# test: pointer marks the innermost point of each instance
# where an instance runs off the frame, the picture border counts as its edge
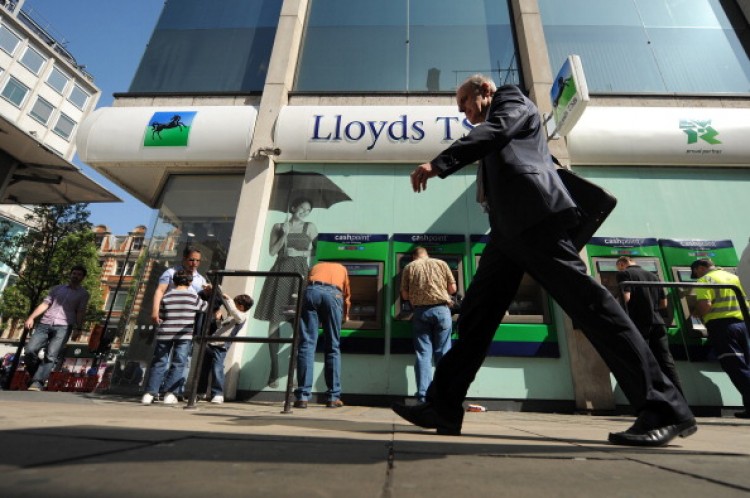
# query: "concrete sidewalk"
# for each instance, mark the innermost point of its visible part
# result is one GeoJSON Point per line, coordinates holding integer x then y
{"type": "Point", "coordinates": [78, 445]}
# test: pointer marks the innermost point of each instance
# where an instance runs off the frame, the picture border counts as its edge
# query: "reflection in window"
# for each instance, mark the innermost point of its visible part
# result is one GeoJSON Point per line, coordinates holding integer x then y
{"type": "Point", "coordinates": [405, 45]}
{"type": "Point", "coordinates": [57, 80]}
{"type": "Point", "coordinates": [32, 60]}
{"type": "Point", "coordinates": [64, 126]}
{"type": "Point", "coordinates": [201, 46]}
{"type": "Point", "coordinates": [41, 111]}
{"type": "Point", "coordinates": [15, 91]}
{"type": "Point", "coordinates": [78, 97]}
{"type": "Point", "coordinates": [8, 40]}
{"type": "Point", "coordinates": [652, 46]}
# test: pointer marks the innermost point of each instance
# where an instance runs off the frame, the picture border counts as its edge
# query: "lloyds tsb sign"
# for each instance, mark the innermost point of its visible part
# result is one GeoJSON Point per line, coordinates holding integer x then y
{"type": "Point", "coordinates": [367, 133]}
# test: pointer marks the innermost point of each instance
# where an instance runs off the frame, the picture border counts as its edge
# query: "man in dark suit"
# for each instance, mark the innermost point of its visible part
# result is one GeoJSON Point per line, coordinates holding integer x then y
{"type": "Point", "coordinates": [530, 214]}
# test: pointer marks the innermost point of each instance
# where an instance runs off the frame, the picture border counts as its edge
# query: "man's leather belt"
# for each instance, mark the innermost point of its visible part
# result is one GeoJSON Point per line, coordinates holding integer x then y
{"type": "Point", "coordinates": [316, 282]}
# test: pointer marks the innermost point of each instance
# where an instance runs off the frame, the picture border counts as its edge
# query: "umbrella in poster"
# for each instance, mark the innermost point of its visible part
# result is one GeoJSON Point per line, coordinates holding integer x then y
{"type": "Point", "coordinates": [314, 187]}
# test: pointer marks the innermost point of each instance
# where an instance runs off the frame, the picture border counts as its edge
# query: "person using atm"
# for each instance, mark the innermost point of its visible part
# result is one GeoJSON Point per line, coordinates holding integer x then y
{"type": "Point", "coordinates": [427, 283]}
{"type": "Point", "coordinates": [721, 312]}
{"type": "Point", "coordinates": [645, 306]}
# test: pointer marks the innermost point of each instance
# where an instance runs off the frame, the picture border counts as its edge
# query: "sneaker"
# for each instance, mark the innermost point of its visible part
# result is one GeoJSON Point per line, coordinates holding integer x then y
{"type": "Point", "coordinates": [218, 399]}
{"type": "Point", "coordinates": [170, 399]}
{"type": "Point", "coordinates": [147, 399]}
{"type": "Point", "coordinates": [34, 387]}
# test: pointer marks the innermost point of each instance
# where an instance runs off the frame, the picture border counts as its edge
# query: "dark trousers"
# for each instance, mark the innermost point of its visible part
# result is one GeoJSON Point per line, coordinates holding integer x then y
{"type": "Point", "coordinates": [547, 254]}
{"type": "Point", "coordinates": [729, 339]}
{"type": "Point", "coordinates": [657, 340]}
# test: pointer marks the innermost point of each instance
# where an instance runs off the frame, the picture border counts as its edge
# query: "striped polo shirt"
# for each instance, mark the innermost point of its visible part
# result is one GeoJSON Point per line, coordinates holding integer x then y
{"type": "Point", "coordinates": [177, 311]}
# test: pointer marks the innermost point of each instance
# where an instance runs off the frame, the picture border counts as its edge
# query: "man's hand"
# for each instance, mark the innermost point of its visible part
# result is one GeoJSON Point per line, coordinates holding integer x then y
{"type": "Point", "coordinates": [28, 324]}
{"type": "Point", "coordinates": [155, 319]}
{"type": "Point", "coordinates": [420, 175]}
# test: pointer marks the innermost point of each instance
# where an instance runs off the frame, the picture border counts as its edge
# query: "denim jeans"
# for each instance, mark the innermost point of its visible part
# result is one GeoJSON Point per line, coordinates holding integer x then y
{"type": "Point", "coordinates": [52, 338]}
{"type": "Point", "coordinates": [322, 305]}
{"type": "Point", "coordinates": [213, 361]}
{"type": "Point", "coordinates": [432, 326]}
{"type": "Point", "coordinates": [161, 363]}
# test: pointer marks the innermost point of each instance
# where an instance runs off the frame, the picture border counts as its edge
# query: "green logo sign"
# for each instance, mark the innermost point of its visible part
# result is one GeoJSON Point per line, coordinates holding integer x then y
{"type": "Point", "coordinates": [169, 129]}
{"type": "Point", "coordinates": [699, 129]}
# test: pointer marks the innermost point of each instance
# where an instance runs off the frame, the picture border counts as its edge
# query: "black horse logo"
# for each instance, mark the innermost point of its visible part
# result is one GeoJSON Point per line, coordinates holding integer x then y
{"type": "Point", "coordinates": [157, 127]}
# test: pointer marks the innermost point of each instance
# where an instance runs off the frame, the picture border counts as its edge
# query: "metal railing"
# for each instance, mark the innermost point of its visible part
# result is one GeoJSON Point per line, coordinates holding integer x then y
{"type": "Point", "coordinates": [203, 338]}
{"type": "Point", "coordinates": [693, 285]}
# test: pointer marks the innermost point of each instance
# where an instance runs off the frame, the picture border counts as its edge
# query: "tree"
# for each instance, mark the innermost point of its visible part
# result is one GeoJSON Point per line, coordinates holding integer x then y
{"type": "Point", "coordinates": [62, 238]}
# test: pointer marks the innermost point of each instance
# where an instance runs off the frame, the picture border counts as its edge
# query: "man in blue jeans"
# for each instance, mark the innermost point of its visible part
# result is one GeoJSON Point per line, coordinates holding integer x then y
{"type": "Point", "coordinates": [427, 283]}
{"type": "Point", "coordinates": [326, 302]}
{"type": "Point", "coordinates": [63, 309]}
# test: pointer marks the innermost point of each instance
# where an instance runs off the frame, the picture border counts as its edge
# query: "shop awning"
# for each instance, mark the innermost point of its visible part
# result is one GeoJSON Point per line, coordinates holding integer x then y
{"type": "Point", "coordinates": [139, 147]}
{"type": "Point", "coordinates": [34, 174]}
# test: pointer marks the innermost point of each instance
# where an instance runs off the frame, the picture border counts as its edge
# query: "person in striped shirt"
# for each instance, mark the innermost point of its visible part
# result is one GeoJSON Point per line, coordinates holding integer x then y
{"type": "Point", "coordinates": [174, 337]}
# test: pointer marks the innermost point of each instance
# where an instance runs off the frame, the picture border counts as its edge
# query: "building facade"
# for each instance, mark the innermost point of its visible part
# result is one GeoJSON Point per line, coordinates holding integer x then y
{"type": "Point", "coordinates": [237, 113]}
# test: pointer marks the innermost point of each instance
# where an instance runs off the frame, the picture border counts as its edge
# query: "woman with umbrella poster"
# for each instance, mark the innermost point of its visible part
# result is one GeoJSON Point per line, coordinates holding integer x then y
{"type": "Point", "coordinates": [293, 243]}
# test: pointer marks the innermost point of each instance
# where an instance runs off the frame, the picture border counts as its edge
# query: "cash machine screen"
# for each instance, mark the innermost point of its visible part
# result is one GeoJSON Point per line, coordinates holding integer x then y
{"type": "Point", "coordinates": [606, 269]}
{"type": "Point", "coordinates": [455, 263]}
{"type": "Point", "coordinates": [530, 304]}
{"type": "Point", "coordinates": [366, 282]}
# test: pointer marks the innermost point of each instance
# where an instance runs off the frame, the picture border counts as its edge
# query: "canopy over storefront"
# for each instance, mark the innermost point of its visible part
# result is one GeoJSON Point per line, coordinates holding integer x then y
{"type": "Point", "coordinates": [139, 147]}
{"type": "Point", "coordinates": [34, 174]}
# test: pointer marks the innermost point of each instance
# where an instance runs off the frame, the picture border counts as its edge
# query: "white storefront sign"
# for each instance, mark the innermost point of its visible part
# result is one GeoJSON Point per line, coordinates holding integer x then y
{"type": "Point", "coordinates": [661, 136]}
{"type": "Point", "coordinates": [367, 133]}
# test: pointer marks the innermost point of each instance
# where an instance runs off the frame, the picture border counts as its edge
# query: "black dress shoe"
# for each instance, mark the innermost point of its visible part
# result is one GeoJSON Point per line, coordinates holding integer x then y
{"type": "Point", "coordinates": [745, 414]}
{"type": "Point", "coordinates": [658, 436]}
{"type": "Point", "coordinates": [426, 416]}
{"type": "Point", "coordinates": [300, 403]}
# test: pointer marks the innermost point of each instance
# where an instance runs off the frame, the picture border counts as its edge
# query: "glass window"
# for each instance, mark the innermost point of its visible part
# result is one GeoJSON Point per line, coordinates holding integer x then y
{"type": "Point", "coordinates": [651, 46]}
{"type": "Point", "coordinates": [41, 111]}
{"type": "Point", "coordinates": [57, 80]}
{"type": "Point", "coordinates": [78, 97]}
{"type": "Point", "coordinates": [15, 91]}
{"type": "Point", "coordinates": [405, 45]}
{"type": "Point", "coordinates": [119, 299]}
{"type": "Point", "coordinates": [222, 48]}
{"type": "Point", "coordinates": [64, 126]}
{"type": "Point", "coordinates": [8, 40]}
{"type": "Point", "coordinates": [33, 60]}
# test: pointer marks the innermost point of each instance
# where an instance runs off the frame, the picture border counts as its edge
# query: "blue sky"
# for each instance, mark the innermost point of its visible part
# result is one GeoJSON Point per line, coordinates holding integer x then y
{"type": "Point", "coordinates": [108, 37]}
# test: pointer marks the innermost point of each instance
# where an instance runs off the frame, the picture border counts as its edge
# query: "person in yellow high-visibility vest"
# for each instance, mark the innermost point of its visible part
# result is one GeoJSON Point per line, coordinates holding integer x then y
{"type": "Point", "coordinates": [721, 313]}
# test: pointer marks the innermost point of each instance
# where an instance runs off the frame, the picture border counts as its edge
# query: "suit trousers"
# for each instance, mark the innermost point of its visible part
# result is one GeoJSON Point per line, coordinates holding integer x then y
{"type": "Point", "coordinates": [548, 255]}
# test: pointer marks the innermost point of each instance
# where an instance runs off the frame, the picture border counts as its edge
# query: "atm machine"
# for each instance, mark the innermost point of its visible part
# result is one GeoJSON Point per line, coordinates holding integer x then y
{"type": "Point", "coordinates": [365, 257]}
{"type": "Point", "coordinates": [678, 254]}
{"type": "Point", "coordinates": [451, 248]}
{"type": "Point", "coordinates": [603, 253]}
{"type": "Point", "coordinates": [527, 330]}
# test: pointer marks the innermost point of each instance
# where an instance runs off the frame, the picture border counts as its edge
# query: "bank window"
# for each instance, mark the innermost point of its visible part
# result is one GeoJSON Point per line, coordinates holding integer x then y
{"type": "Point", "coordinates": [33, 60]}
{"type": "Point", "coordinates": [42, 110]}
{"type": "Point", "coordinates": [651, 46]}
{"type": "Point", "coordinates": [200, 46]}
{"type": "Point", "coordinates": [9, 41]}
{"type": "Point", "coordinates": [405, 45]}
{"type": "Point", "coordinates": [64, 126]}
{"type": "Point", "coordinates": [57, 80]}
{"type": "Point", "coordinates": [15, 92]}
{"type": "Point", "coordinates": [78, 97]}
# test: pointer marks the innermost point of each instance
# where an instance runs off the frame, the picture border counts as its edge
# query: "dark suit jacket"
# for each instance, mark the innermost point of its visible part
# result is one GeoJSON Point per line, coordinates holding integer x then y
{"type": "Point", "coordinates": [521, 185]}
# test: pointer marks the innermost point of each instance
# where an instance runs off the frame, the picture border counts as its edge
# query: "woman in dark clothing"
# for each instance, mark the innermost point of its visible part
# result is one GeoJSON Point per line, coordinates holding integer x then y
{"type": "Point", "coordinates": [292, 242]}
